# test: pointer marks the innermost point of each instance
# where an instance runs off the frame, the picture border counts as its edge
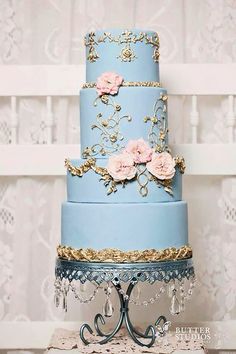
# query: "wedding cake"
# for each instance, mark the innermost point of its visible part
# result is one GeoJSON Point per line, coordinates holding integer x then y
{"type": "Point", "coordinates": [124, 196]}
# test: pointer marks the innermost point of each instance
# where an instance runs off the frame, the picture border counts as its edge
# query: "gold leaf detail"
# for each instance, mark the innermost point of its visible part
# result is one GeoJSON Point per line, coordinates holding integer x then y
{"type": "Point", "coordinates": [119, 256]}
{"type": "Point", "coordinates": [88, 85]}
{"type": "Point", "coordinates": [180, 163]}
{"type": "Point", "coordinates": [127, 54]}
{"type": "Point", "coordinates": [81, 170]}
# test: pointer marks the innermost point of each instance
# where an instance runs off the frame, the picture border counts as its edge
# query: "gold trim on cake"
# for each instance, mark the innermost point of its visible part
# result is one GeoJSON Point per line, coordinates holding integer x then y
{"type": "Point", "coordinates": [127, 84]}
{"type": "Point", "coordinates": [117, 256]}
{"type": "Point", "coordinates": [124, 39]}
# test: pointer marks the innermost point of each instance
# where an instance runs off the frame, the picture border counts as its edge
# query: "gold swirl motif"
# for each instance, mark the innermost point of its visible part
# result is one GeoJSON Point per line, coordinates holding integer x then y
{"type": "Point", "coordinates": [127, 37]}
{"type": "Point", "coordinates": [158, 130]}
{"type": "Point", "coordinates": [127, 54]}
{"type": "Point", "coordinates": [109, 127]}
{"type": "Point", "coordinates": [180, 162]}
{"type": "Point", "coordinates": [81, 170]}
{"type": "Point", "coordinates": [111, 184]}
{"type": "Point", "coordinates": [142, 179]}
{"type": "Point", "coordinates": [127, 84]}
{"type": "Point", "coordinates": [118, 256]}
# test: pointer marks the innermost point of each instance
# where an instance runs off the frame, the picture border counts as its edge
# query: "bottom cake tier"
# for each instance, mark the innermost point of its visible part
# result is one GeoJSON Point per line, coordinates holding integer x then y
{"type": "Point", "coordinates": [126, 227]}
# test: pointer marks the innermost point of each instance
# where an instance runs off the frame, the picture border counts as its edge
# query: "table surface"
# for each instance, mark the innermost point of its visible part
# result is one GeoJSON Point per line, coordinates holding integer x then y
{"type": "Point", "coordinates": [70, 342]}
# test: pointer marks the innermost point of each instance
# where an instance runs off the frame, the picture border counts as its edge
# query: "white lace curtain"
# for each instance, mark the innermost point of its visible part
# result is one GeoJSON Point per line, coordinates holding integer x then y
{"type": "Point", "coordinates": [51, 32]}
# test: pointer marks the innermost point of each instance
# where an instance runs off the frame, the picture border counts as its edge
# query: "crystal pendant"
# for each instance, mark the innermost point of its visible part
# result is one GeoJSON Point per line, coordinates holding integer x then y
{"type": "Point", "coordinates": [82, 287]}
{"type": "Point", "coordinates": [64, 303]}
{"type": "Point", "coordinates": [175, 305]}
{"type": "Point", "coordinates": [57, 300]}
{"type": "Point", "coordinates": [108, 308]}
{"type": "Point", "coordinates": [171, 288]}
{"type": "Point", "coordinates": [136, 292]}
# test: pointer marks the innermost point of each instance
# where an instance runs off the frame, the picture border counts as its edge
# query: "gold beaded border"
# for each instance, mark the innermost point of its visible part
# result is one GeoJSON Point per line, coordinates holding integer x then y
{"type": "Point", "coordinates": [127, 84]}
{"type": "Point", "coordinates": [113, 255]}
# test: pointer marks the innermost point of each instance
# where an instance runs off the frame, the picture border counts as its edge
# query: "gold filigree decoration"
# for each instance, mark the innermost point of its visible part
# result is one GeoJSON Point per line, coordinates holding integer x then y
{"type": "Point", "coordinates": [127, 54]}
{"type": "Point", "coordinates": [180, 162]}
{"type": "Point", "coordinates": [127, 84]}
{"type": "Point", "coordinates": [80, 170]}
{"type": "Point", "coordinates": [127, 37]}
{"type": "Point", "coordinates": [90, 164]}
{"type": "Point", "coordinates": [158, 130]}
{"type": "Point", "coordinates": [166, 184]}
{"type": "Point", "coordinates": [91, 42]}
{"type": "Point", "coordinates": [143, 177]}
{"type": "Point", "coordinates": [119, 256]}
{"type": "Point", "coordinates": [109, 127]}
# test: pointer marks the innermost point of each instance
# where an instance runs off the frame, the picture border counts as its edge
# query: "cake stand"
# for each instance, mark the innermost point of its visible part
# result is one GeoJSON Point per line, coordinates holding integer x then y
{"type": "Point", "coordinates": [69, 271]}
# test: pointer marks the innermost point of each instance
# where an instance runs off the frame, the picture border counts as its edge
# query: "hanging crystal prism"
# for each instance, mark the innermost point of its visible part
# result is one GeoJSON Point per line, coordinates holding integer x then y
{"type": "Point", "coordinates": [171, 287]}
{"type": "Point", "coordinates": [175, 305]}
{"type": "Point", "coordinates": [82, 287]}
{"type": "Point", "coordinates": [136, 292]}
{"type": "Point", "coordinates": [64, 301]}
{"type": "Point", "coordinates": [107, 307]}
{"type": "Point", "coordinates": [57, 300]}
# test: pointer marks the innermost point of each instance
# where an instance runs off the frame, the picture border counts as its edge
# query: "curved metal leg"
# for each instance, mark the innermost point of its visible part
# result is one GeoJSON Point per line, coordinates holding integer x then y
{"type": "Point", "coordinates": [150, 332]}
{"type": "Point", "coordinates": [100, 318]}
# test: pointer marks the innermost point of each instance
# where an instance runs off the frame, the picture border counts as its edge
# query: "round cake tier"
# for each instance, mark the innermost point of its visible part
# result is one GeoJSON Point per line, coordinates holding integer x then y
{"type": "Point", "coordinates": [108, 123]}
{"type": "Point", "coordinates": [89, 188]}
{"type": "Point", "coordinates": [125, 227]}
{"type": "Point", "coordinates": [134, 54]}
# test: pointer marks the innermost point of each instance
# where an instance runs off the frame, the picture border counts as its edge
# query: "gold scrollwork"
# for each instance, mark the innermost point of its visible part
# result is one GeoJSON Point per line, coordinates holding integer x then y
{"type": "Point", "coordinates": [80, 170]}
{"type": "Point", "coordinates": [143, 176]}
{"type": "Point", "coordinates": [180, 162]}
{"type": "Point", "coordinates": [119, 256]}
{"type": "Point", "coordinates": [110, 134]}
{"type": "Point", "coordinates": [127, 37]}
{"type": "Point", "coordinates": [158, 130]}
{"type": "Point", "coordinates": [127, 84]}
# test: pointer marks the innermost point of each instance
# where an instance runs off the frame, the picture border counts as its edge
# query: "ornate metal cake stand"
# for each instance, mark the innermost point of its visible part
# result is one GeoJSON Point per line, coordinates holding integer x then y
{"type": "Point", "coordinates": [118, 273]}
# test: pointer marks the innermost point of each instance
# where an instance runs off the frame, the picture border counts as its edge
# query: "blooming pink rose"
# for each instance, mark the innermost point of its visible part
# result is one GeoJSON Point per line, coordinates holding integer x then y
{"type": "Point", "coordinates": [121, 167]}
{"type": "Point", "coordinates": [162, 166]}
{"type": "Point", "coordinates": [108, 83]}
{"type": "Point", "coordinates": [140, 150]}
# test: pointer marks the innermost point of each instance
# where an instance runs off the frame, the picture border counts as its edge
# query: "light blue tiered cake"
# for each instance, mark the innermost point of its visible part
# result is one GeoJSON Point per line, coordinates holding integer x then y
{"type": "Point", "coordinates": [124, 194]}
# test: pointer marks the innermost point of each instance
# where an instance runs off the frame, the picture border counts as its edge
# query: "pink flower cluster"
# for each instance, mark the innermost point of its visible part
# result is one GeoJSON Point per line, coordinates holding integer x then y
{"type": "Point", "coordinates": [123, 166]}
{"type": "Point", "coordinates": [108, 83]}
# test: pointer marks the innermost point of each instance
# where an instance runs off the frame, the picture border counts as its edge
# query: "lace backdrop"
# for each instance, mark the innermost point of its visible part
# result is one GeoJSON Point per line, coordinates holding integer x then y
{"type": "Point", "coordinates": [51, 32]}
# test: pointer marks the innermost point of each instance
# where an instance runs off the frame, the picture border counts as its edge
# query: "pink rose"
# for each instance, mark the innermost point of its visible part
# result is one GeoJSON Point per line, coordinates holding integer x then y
{"type": "Point", "coordinates": [162, 166]}
{"type": "Point", "coordinates": [109, 83]}
{"type": "Point", "coordinates": [140, 150]}
{"type": "Point", "coordinates": [121, 167]}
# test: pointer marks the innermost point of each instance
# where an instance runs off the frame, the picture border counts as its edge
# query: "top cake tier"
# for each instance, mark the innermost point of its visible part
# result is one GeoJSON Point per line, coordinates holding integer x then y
{"type": "Point", "coordinates": [134, 54]}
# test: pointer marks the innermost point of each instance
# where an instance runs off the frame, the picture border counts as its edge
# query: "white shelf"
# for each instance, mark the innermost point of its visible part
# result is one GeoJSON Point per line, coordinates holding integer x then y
{"type": "Point", "coordinates": [66, 80]}
{"type": "Point", "coordinates": [208, 159]}
{"type": "Point", "coordinates": [38, 160]}
{"type": "Point", "coordinates": [35, 160]}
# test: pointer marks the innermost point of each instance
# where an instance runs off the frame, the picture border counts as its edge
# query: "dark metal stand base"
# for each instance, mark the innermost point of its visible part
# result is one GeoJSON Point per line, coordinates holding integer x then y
{"type": "Point", "coordinates": [149, 334]}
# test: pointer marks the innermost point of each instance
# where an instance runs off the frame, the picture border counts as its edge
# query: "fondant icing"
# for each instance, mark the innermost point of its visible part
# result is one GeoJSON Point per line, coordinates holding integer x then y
{"type": "Point", "coordinates": [106, 55]}
{"type": "Point", "coordinates": [135, 104]}
{"type": "Point", "coordinates": [90, 189]}
{"type": "Point", "coordinates": [105, 206]}
{"type": "Point", "coordinates": [125, 226]}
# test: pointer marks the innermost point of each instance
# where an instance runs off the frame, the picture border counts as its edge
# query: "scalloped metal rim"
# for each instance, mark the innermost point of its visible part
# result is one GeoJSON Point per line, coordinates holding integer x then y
{"type": "Point", "coordinates": [124, 272]}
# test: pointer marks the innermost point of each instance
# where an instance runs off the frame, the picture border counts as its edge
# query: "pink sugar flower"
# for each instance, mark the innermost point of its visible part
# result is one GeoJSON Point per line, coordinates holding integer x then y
{"type": "Point", "coordinates": [139, 150]}
{"type": "Point", "coordinates": [108, 83]}
{"type": "Point", "coordinates": [121, 167]}
{"type": "Point", "coordinates": [162, 166]}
